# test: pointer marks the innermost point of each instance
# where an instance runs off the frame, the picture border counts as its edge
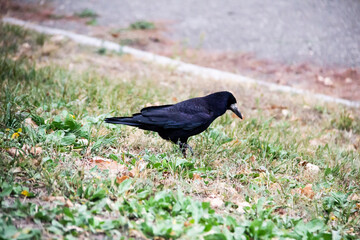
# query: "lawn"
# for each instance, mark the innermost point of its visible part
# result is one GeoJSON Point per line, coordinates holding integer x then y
{"type": "Point", "coordinates": [289, 170]}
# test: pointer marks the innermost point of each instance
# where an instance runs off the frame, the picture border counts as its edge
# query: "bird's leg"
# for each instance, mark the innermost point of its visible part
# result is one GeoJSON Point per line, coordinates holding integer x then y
{"type": "Point", "coordinates": [184, 147]}
{"type": "Point", "coordinates": [190, 148]}
{"type": "Point", "coordinates": [183, 150]}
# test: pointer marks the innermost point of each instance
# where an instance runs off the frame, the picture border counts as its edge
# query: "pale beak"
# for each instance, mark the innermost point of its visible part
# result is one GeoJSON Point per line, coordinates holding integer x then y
{"type": "Point", "coordinates": [234, 108]}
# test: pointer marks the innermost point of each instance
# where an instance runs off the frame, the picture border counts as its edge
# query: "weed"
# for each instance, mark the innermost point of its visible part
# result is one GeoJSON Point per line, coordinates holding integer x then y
{"type": "Point", "coordinates": [92, 22]}
{"type": "Point", "coordinates": [101, 51]}
{"type": "Point", "coordinates": [129, 41]}
{"type": "Point", "coordinates": [345, 121]}
{"type": "Point", "coordinates": [40, 39]}
{"type": "Point", "coordinates": [87, 13]}
{"type": "Point", "coordinates": [142, 25]}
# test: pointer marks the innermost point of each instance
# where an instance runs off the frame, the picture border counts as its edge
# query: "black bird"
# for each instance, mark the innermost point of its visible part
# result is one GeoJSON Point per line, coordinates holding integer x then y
{"type": "Point", "coordinates": [182, 120]}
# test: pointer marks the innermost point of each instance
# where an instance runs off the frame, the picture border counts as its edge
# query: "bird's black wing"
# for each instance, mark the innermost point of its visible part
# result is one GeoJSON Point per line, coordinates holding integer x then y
{"type": "Point", "coordinates": [178, 116]}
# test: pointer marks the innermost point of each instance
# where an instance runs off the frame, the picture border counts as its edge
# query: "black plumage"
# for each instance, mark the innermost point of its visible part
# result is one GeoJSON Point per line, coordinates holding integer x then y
{"type": "Point", "coordinates": [182, 120]}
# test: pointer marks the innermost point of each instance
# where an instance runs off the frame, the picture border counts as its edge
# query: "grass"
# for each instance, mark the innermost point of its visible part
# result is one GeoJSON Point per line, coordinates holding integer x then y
{"type": "Point", "coordinates": [87, 13]}
{"type": "Point", "coordinates": [247, 180]}
{"type": "Point", "coordinates": [142, 25]}
{"type": "Point", "coordinates": [346, 122]}
{"type": "Point", "coordinates": [90, 15]}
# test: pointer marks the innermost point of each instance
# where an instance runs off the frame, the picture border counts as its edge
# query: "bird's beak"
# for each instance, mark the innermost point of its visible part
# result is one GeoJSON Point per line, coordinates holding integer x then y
{"type": "Point", "coordinates": [234, 108]}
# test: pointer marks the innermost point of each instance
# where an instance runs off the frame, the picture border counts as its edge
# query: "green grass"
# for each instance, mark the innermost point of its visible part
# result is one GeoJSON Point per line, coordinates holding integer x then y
{"type": "Point", "coordinates": [90, 15]}
{"type": "Point", "coordinates": [347, 122]}
{"type": "Point", "coordinates": [92, 22]}
{"type": "Point", "coordinates": [87, 13]}
{"type": "Point", "coordinates": [238, 162]}
{"type": "Point", "coordinates": [142, 25]}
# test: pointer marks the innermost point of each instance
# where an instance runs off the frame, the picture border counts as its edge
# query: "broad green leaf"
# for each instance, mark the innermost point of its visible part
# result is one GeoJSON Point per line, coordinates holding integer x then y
{"type": "Point", "coordinates": [124, 186]}
{"type": "Point", "coordinates": [71, 124]}
{"type": "Point", "coordinates": [55, 230]}
{"type": "Point", "coordinates": [69, 139]}
{"type": "Point", "coordinates": [315, 225]}
{"type": "Point", "coordinates": [6, 192]}
{"type": "Point", "coordinates": [68, 212]}
{"type": "Point", "coordinates": [180, 161]}
{"type": "Point", "coordinates": [99, 194]}
{"type": "Point", "coordinates": [215, 236]}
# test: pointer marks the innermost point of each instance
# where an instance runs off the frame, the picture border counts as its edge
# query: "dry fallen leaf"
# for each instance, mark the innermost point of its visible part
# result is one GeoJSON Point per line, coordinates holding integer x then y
{"type": "Point", "coordinates": [296, 191]}
{"type": "Point", "coordinates": [136, 234]}
{"type": "Point", "coordinates": [187, 224]}
{"type": "Point", "coordinates": [68, 203]}
{"type": "Point", "coordinates": [261, 169]}
{"type": "Point", "coordinates": [277, 107]}
{"type": "Point", "coordinates": [30, 123]}
{"type": "Point", "coordinates": [62, 199]}
{"type": "Point", "coordinates": [14, 152]}
{"type": "Point", "coordinates": [25, 148]}
{"type": "Point", "coordinates": [100, 160]}
{"type": "Point", "coordinates": [33, 150]}
{"type": "Point", "coordinates": [280, 211]}
{"type": "Point", "coordinates": [54, 198]}
{"type": "Point", "coordinates": [104, 163]}
{"type": "Point", "coordinates": [36, 150]}
{"type": "Point", "coordinates": [196, 176]}
{"type": "Point", "coordinates": [275, 187]}
{"type": "Point", "coordinates": [121, 179]}
{"type": "Point", "coordinates": [355, 198]}
{"type": "Point", "coordinates": [113, 167]}
{"type": "Point", "coordinates": [236, 142]}
{"type": "Point", "coordinates": [132, 173]}
{"type": "Point", "coordinates": [115, 35]}
{"type": "Point", "coordinates": [16, 170]}
{"type": "Point", "coordinates": [140, 166]}
{"type": "Point", "coordinates": [307, 191]}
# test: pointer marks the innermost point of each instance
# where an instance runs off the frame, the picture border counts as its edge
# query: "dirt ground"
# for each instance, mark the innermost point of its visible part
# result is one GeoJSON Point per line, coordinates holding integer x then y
{"type": "Point", "coordinates": [342, 82]}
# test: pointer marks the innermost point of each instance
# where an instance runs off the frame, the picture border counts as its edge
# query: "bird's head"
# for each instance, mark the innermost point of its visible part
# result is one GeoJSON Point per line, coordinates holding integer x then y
{"type": "Point", "coordinates": [231, 105]}
{"type": "Point", "coordinates": [222, 101]}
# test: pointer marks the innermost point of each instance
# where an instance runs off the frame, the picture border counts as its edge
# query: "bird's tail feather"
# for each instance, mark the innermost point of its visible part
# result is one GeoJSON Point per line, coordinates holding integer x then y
{"type": "Point", "coordinates": [122, 120]}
